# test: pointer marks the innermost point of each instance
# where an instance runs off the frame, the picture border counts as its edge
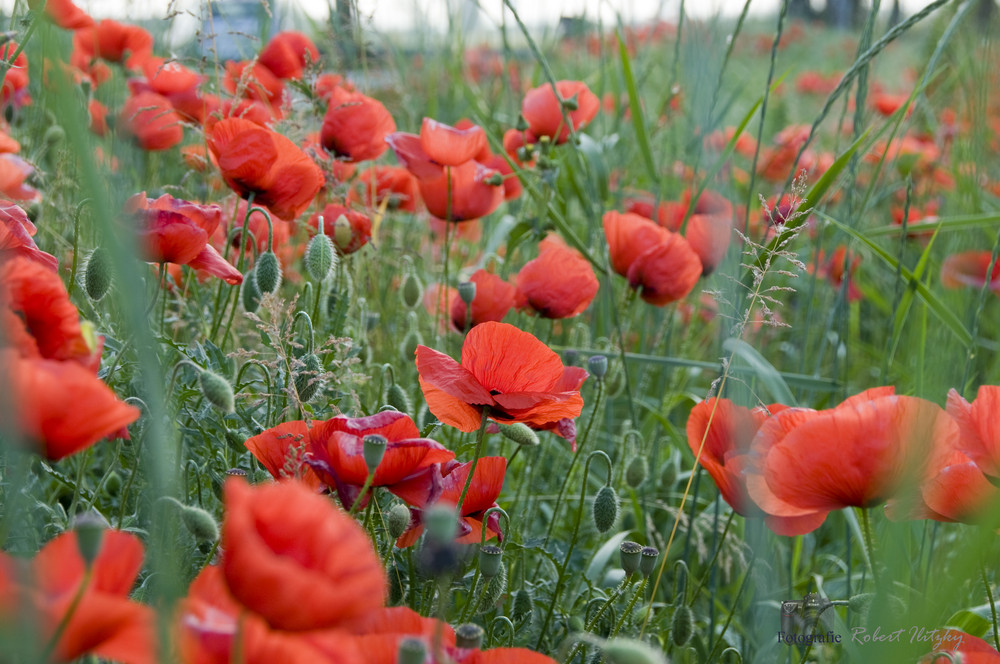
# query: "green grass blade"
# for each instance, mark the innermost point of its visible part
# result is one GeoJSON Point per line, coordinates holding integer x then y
{"type": "Point", "coordinates": [956, 223]}
{"type": "Point", "coordinates": [638, 120]}
{"type": "Point", "coordinates": [762, 369]}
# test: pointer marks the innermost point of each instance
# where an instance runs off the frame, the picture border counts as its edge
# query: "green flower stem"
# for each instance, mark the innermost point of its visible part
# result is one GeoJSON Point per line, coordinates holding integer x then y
{"type": "Point", "coordinates": [475, 458]}
{"type": "Point", "coordinates": [869, 542]}
{"type": "Point", "coordinates": [993, 606]}
{"type": "Point", "coordinates": [361, 495]}
{"type": "Point", "coordinates": [50, 647]}
{"type": "Point", "coordinates": [639, 592]}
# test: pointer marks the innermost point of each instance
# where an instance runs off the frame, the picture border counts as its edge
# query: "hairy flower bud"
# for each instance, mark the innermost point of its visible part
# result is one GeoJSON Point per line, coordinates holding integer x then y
{"type": "Point", "coordinates": [217, 391]}
{"type": "Point", "coordinates": [605, 509]}
{"type": "Point", "coordinates": [635, 473]}
{"type": "Point", "coordinates": [268, 272]}
{"type": "Point", "coordinates": [97, 278]}
{"type": "Point", "coordinates": [320, 257]}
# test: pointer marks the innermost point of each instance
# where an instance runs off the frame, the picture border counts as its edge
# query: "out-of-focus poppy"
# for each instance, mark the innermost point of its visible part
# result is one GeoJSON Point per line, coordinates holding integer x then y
{"type": "Point", "coordinates": [560, 283]}
{"type": "Point", "coordinates": [494, 298]}
{"type": "Point", "coordinates": [709, 236]}
{"type": "Point", "coordinates": [969, 649]}
{"type": "Point", "coordinates": [98, 117]}
{"type": "Point", "coordinates": [256, 160]}
{"type": "Point", "coordinates": [841, 265]}
{"type": "Point", "coordinates": [61, 406]}
{"type": "Point", "coordinates": [15, 83]}
{"type": "Point", "coordinates": [152, 121]}
{"type": "Point", "coordinates": [970, 268]}
{"type": "Point", "coordinates": [450, 146]}
{"type": "Point", "coordinates": [660, 263]}
{"type": "Point", "coordinates": [396, 184]}
{"type": "Point", "coordinates": [444, 483]}
{"type": "Point", "coordinates": [288, 53]}
{"type": "Point", "coordinates": [978, 427]}
{"type": "Point", "coordinates": [508, 371]}
{"type": "Point", "coordinates": [543, 109]}
{"type": "Point", "coordinates": [111, 41]}
{"type": "Point", "coordinates": [337, 447]}
{"type": "Point", "coordinates": [355, 126]}
{"type": "Point", "coordinates": [884, 440]}
{"type": "Point", "coordinates": [177, 231]}
{"type": "Point", "coordinates": [953, 489]}
{"type": "Point", "coordinates": [16, 232]}
{"type": "Point", "coordinates": [254, 81]}
{"type": "Point", "coordinates": [294, 559]}
{"type": "Point", "coordinates": [14, 172]}
{"type": "Point", "coordinates": [348, 229]}
{"type": "Point", "coordinates": [886, 103]}
{"type": "Point", "coordinates": [65, 14]}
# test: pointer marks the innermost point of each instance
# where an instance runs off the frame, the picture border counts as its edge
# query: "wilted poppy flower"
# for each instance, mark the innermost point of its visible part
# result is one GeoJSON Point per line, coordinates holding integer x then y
{"type": "Point", "coordinates": [348, 229]}
{"type": "Point", "coordinates": [560, 283]}
{"type": "Point", "coordinates": [883, 441]}
{"type": "Point", "coordinates": [660, 263]}
{"type": "Point", "coordinates": [152, 121]}
{"type": "Point", "coordinates": [177, 231]}
{"type": "Point", "coordinates": [508, 371]}
{"type": "Point", "coordinates": [16, 232]}
{"type": "Point", "coordinates": [288, 53]}
{"type": "Point", "coordinates": [444, 483]}
{"type": "Point", "coordinates": [296, 560]}
{"type": "Point", "coordinates": [111, 41]}
{"type": "Point", "coordinates": [544, 111]}
{"type": "Point", "coordinates": [100, 620]}
{"type": "Point", "coordinates": [450, 146]}
{"type": "Point", "coordinates": [355, 126]}
{"type": "Point", "coordinates": [494, 298]}
{"type": "Point", "coordinates": [256, 160]}
{"type": "Point", "coordinates": [61, 406]}
{"type": "Point", "coordinates": [970, 268]}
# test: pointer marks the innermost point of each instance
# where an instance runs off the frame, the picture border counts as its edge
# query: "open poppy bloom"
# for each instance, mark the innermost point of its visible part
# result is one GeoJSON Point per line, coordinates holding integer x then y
{"type": "Point", "coordinates": [543, 110]}
{"type": "Point", "coordinates": [111, 41]}
{"type": "Point", "coordinates": [103, 622]}
{"type": "Point", "coordinates": [178, 231]}
{"type": "Point", "coordinates": [660, 263]}
{"type": "Point", "coordinates": [560, 283]}
{"type": "Point", "coordinates": [256, 160]}
{"type": "Point", "coordinates": [355, 126]}
{"type": "Point", "coordinates": [282, 449]}
{"type": "Point", "coordinates": [444, 483]}
{"type": "Point", "coordinates": [288, 53]}
{"type": "Point", "coordinates": [979, 431]}
{"type": "Point", "coordinates": [295, 560]}
{"type": "Point", "coordinates": [16, 236]}
{"type": "Point", "coordinates": [152, 121]}
{"type": "Point", "coordinates": [390, 182]}
{"type": "Point", "coordinates": [953, 489]}
{"type": "Point", "coordinates": [505, 370]}
{"type": "Point", "coordinates": [494, 298]}
{"type": "Point", "coordinates": [883, 441]}
{"type": "Point", "coordinates": [450, 146]}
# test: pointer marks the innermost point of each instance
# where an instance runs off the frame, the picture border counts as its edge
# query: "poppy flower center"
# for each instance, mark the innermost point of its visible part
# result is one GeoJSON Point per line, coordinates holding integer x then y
{"type": "Point", "coordinates": [493, 393]}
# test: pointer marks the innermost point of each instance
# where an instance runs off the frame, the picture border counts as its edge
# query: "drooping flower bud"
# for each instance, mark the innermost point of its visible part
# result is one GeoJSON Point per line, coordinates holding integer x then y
{"type": "Point", "coordinates": [307, 379]}
{"type": "Point", "coordinates": [635, 473]}
{"type": "Point", "coordinates": [199, 523]}
{"type": "Point", "coordinates": [524, 605]}
{"type": "Point", "coordinates": [97, 278]}
{"type": "Point", "coordinates": [493, 590]}
{"type": "Point", "coordinates": [267, 272]}
{"type": "Point", "coordinates": [412, 291]}
{"type": "Point", "coordinates": [682, 625]}
{"type": "Point", "coordinates": [217, 391]}
{"type": "Point", "coordinates": [605, 509]}
{"type": "Point", "coordinates": [396, 397]}
{"type": "Point", "coordinates": [630, 553]}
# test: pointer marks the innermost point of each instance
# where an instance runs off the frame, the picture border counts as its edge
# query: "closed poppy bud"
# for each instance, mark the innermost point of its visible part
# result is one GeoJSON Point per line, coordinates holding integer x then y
{"type": "Point", "coordinates": [373, 450]}
{"type": "Point", "coordinates": [412, 651]}
{"type": "Point", "coordinates": [412, 291]}
{"type": "Point", "coordinates": [520, 433]}
{"type": "Point", "coordinates": [267, 272]}
{"type": "Point", "coordinates": [647, 563]}
{"type": "Point", "coordinates": [398, 520]}
{"type": "Point", "coordinates": [523, 605]}
{"type": "Point", "coordinates": [217, 391]}
{"type": "Point", "coordinates": [320, 257]}
{"type": "Point", "coordinates": [54, 135]}
{"type": "Point", "coordinates": [630, 651]}
{"type": "Point", "coordinates": [251, 293]}
{"type": "Point", "coordinates": [597, 365]}
{"type": "Point", "coordinates": [605, 509]}
{"type": "Point", "coordinates": [469, 635]}
{"type": "Point", "coordinates": [396, 397]}
{"type": "Point", "coordinates": [490, 558]}
{"type": "Point", "coordinates": [89, 527]}
{"type": "Point", "coordinates": [682, 625]}
{"type": "Point", "coordinates": [630, 553]}
{"type": "Point", "coordinates": [307, 379]}
{"type": "Point", "coordinates": [199, 523]}
{"type": "Point", "coordinates": [97, 278]}
{"type": "Point", "coordinates": [635, 473]}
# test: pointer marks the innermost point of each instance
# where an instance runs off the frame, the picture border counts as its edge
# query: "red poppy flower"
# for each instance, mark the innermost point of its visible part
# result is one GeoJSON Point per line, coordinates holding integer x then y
{"type": "Point", "coordinates": [494, 298]}
{"type": "Point", "coordinates": [662, 264]}
{"type": "Point", "coordinates": [15, 83]}
{"type": "Point", "coordinates": [288, 53]}
{"type": "Point", "coordinates": [14, 171]}
{"type": "Point", "coordinates": [841, 264]}
{"type": "Point", "coordinates": [444, 483]}
{"type": "Point", "coordinates": [349, 234]}
{"type": "Point", "coordinates": [882, 441]}
{"type": "Point", "coordinates": [709, 236]}
{"type": "Point", "coordinates": [396, 184]}
{"type": "Point", "coordinates": [296, 560]}
{"type": "Point", "coordinates": [953, 489]}
{"type": "Point", "coordinates": [543, 110]}
{"type": "Point", "coordinates": [560, 283]}
{"type": "Point", "coordinates": [337, 448]}
{"type": "Point", "coordinates": [62, 406]}
{"type": "Point", "coordinates": [970, 268]}
{"type": "Point", "coordinates": [355, 126]}
{"type": "Point", "coordinates": [730, 430]}
{"type": "Point", "coordinates": [504, 369]}
{"type": "Point", "coordinates": [111, 41]}
{"type": "Point", "coordinates": [256, 160]}
{"type": "Point", "coordinates": [253, 80]}
{"type": "Point", "coordinates": [16, 232]}
{"type": "Point", "coordinates": [978, 427]}
{"type": "Point", "coordinates": [449, 146]}
{"type": "Point", "coordinates": [152, 121]}
{"type": "Point", "coordinates": [282, 449]}
{"type": "Point", "coordinates": [104, 622]}
{"type": "Point", "coordinates": [177, 231]}
{"type": "Point", "coordinates": [969, 649]}
{"type": "Point", "coordinates": [65, 14]}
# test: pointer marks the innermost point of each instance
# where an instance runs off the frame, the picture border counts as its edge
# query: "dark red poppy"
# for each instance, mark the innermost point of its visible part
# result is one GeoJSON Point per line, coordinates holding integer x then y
{"type": "Point", "coordinates": [660, 263]}
{"type": "Point", "coordinates": [177, 231]}
{"type": "Point", "coordinates": [450, 146]}
{"type": "Point", "coordinates": [337, 447]}
{"type": "Point", "coordinates": [16, 232]}
{"type": "Point", "coordinates": [560, 283]}
{"type": "Point", "coordinates": [355, 126]}
{"type": "Point", "coordinates": [494, 298]}
{"type": "Point", "coordinates": [152, 121]}
{"type": "Point", "coordinates": [288, 53]}
{"type": "Point", "coordinates": [111, 41]}
{"type": "Point", "coordinates": [883, 440]}
{"type": "Point", "coordinates": [544, 110]}
{"type": "Point", "coordinates": [444, 483]}
{"type": "Point", "coordinates": [509, 371]}
{"type": "Point", "coordinates": [256, 160]}
{"type": "Point", "coordinates": [348, 229]}
{"type": "Point", "coordinates": [294, 559]}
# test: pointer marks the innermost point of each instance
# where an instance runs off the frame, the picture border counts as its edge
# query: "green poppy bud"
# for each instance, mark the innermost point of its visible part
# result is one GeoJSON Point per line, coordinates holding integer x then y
{"type": "Point", "coordinates": [493, 590]}
{"type": "Point", "coordinates": [199, 523]}
{"type": "Point", "coordinates": [635, 473]}
{"type": "Point", "coordinates": [320, 257]}
{"type": "Point", "coordinates": [267, 272]}
{"type": "Point", "coordinates": [307, 378]}
{"type": "Point", "coordinates": [97, 278]}
{"type": "Point", "coordinates": [523, 605]}
{"type": "Point", "coordinates": [412, 290]}
{"type": "Point", "coordinates": [630, 651]}
{"type": "Point", "coordinates": [396, 397]}
{"type": "Point", "coordinates": [520, 433]}
{"type": "Point", "coordinates": [605, 509]}
{"type": "Point", "coordinates": [217, 391]}
{"type": "Point", "coordinates": [54, 135]}
{"type": "Point", "coordinates": [682, 625]}
{"type": "Point", "coordinates": [251, 293]}
{"type": "Point", "coordinates": [398, 520]}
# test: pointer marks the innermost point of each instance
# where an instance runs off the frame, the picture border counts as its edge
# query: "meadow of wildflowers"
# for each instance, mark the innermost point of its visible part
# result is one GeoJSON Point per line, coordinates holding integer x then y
{"type": "Point", "coordinates": [624, 343]}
